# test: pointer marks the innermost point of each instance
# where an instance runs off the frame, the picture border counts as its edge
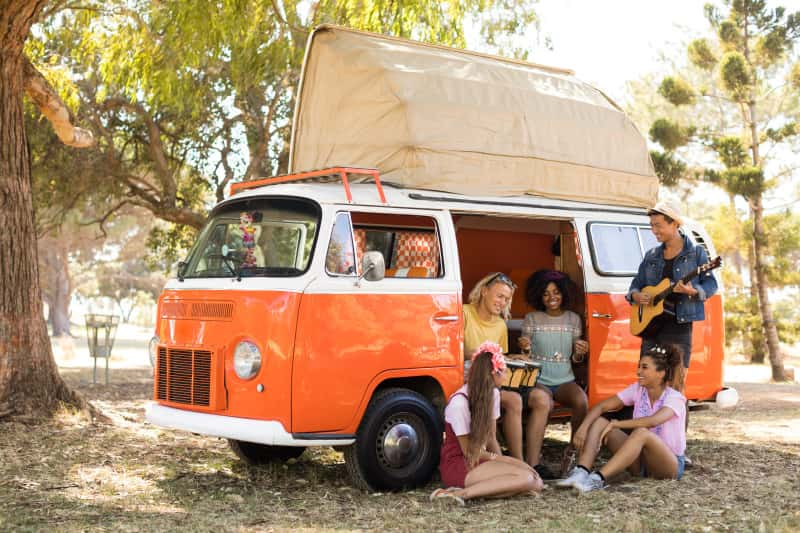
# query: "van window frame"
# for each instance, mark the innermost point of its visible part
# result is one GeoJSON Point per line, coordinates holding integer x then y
{"type": "Point", "coordinates": [356, 266]}
{"type": "Point", "coordinates": [255, 198]}
{"type": "Point", "coordinates": [595, 264]}
{"type": "Point", "coordinates": [436, 231]}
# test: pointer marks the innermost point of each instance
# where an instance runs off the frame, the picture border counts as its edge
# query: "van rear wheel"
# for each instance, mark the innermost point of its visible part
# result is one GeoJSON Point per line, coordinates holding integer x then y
{"type": "Point", "coordinates": [259, 454]}
{"type": "Point", "coordinates": [397, 444]}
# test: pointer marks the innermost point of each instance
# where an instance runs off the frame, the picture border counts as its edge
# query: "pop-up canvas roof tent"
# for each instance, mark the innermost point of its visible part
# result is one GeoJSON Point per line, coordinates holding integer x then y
{"type": "Point", "coordinates": [437, 118]}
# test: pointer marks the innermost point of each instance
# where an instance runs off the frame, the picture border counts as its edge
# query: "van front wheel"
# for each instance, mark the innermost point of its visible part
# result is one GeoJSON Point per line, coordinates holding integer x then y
{"type": "Point", "coordinates": [259, 454]}
{"type": "Point", "coordinates": [397, 444]}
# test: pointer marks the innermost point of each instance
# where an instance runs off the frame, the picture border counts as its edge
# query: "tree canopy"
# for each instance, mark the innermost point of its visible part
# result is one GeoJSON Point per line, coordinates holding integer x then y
{"type": "Point", "coordinates": [740, 90]}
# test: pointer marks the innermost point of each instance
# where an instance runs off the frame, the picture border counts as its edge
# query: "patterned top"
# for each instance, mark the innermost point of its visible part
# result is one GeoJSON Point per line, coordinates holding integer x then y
{"type": "Point", "coordinates": [673, 431]}
{"type": "Point", "coordinates": [552, 338]}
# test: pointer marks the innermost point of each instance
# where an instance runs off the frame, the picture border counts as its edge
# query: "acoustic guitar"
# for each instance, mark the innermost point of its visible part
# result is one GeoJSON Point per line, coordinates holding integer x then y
{"type": "Point", "coordinates": [642, 316]}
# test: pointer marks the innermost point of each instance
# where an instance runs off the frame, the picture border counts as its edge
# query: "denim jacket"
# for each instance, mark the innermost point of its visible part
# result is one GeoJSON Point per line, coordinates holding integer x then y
{"type": "Point", "coordinates": [688, 309]}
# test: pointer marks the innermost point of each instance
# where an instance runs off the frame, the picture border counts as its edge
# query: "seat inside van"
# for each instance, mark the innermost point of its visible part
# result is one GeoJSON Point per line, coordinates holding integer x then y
{"type": "Point", "coordinates": [409, 244]}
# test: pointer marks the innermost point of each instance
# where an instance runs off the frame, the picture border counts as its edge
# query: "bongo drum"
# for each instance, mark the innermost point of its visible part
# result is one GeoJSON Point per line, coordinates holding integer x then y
{"type": "Point", "coordinates": [521, 374]}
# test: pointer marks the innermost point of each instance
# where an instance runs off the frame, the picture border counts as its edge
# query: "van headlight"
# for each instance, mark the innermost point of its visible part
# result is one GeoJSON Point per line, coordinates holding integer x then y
{"type": "Point", "coordinates": [246, 360]}
{"type": "Point", "coordinates": [152, 350]}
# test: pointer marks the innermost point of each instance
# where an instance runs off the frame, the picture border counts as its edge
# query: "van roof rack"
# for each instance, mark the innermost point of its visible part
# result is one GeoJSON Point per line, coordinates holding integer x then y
{"type": "Point", "coordinates": [325, 175]}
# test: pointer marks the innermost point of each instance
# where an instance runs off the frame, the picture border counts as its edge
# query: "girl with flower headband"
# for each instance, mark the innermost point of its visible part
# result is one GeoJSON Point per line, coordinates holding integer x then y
{"type": "Point", "coordinates": [471, 462]}
{"type": "Point", "coordinates": [657, 443]}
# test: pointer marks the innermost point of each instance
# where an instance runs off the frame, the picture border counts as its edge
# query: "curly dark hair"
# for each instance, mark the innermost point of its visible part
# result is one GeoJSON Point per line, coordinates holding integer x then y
{"type": "Point", "coordinates": [669, 358]}
{"type": "Point", "coordinates": [537, 283]}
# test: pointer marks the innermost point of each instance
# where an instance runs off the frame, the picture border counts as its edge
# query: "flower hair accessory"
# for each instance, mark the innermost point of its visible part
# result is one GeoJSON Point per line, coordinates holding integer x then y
{"type": "Point", "coordinates": [657, 349]}
{"type": "Point", "coordinates": [496, 352]}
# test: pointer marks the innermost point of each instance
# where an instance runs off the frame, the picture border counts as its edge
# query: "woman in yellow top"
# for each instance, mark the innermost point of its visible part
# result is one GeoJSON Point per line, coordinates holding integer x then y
{"type": "Point", "coordinates": [484, 320]}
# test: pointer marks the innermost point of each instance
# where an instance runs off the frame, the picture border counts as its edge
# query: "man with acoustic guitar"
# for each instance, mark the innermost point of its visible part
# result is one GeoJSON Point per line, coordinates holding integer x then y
{"type": "Point", "coordinates": [673, 281]}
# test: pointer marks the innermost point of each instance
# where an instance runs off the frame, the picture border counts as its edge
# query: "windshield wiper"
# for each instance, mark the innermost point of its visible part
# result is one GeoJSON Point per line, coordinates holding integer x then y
{"type": "Point", "coordinates": [229, 262]}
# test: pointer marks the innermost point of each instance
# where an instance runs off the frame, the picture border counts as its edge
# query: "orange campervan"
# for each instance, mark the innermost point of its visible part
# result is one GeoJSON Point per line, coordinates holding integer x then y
{"type": "Point", "coordinates": [324, 308]}
{"type": "Point", "coordinates": [346, 328]}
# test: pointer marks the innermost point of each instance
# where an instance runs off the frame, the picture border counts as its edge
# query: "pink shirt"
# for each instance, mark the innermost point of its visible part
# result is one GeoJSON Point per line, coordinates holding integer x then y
{"type": "Point", "coordinates": [673, 431]}
{"type": "Point", "coordinates": [457, 411]}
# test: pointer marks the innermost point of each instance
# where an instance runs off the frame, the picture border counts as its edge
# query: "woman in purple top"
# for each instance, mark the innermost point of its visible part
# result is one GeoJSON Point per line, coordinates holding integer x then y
{"type": "Point", "coordinates": [657, 443]}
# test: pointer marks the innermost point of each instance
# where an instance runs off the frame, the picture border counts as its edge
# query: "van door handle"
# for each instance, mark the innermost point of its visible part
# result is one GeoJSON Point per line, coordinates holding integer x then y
{"type": "Point", "coordinates": [446, 318]}
{"type": "Point", "coordinates": [601, 315]}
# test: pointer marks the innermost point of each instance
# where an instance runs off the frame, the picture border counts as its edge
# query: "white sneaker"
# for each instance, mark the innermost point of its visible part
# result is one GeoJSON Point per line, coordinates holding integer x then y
{"type": "Point", "coordinates": [576, 476]}
{"type": "Point", "coordinates": [591, 482]}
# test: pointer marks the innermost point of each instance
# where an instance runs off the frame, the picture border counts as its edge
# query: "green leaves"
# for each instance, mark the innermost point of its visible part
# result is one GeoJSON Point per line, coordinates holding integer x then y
{"type": "Point", "coordinates": [669, 134]}
{"type": "Point", "coordinates": [735, 74]}
{"type": "Point", "coordinates": [745, 181]}
{"type": "Point", "coordinates": [669, 169]}
{"type": "Point", "coordinates": [700, 54]}
{"type": "Point", "coordinates": [677, 91]}
{"type": "Point", "coordinates": [730, 150]}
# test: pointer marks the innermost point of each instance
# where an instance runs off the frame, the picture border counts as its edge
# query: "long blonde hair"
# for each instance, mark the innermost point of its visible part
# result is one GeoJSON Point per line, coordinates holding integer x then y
{"type": "Point", "coordinates": [487, 281]}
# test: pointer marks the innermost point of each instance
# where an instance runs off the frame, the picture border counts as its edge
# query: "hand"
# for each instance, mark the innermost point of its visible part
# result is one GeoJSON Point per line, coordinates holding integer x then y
{"type": "Point", "coordinates": [641, 298]}
{"type": "Point", "coordinates": [580, 437]}
{"type": "Point", "coordinates": [580, 347]}
{"type": "Point", "coordinates": [684, 288]}
{"type": "Point", "coordinates": [611, 425]}
{"type": "Point", "coordinates": [524, 344]}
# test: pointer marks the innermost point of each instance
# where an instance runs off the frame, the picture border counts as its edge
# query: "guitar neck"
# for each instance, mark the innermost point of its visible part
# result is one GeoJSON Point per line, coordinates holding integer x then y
{"type": "Point", "coordinates": [666, 292]}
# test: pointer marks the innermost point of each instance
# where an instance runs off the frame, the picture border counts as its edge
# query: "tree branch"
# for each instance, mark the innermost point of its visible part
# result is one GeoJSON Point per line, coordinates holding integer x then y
{"type": "Point", "coordinates": [153, 143]}
{"type": "Point", "coordinates": [53, 108]}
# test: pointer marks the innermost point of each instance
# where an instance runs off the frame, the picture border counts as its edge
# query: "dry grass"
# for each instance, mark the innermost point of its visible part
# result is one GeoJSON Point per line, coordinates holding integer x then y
{"type": "Point", "coordinates": [70, 475]}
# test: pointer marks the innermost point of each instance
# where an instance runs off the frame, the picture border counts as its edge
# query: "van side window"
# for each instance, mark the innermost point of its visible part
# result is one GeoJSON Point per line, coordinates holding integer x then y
{"type": "Point", "coordinates": [341, 259]}
{"type": "Point", "coordinates": [409, 243]}
{"type": "Point", "coordinates": [618, 249]}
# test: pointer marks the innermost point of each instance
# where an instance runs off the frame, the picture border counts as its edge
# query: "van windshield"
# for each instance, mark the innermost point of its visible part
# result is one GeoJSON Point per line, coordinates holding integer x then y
{"type": "Point", "coordinates": [267, 237]}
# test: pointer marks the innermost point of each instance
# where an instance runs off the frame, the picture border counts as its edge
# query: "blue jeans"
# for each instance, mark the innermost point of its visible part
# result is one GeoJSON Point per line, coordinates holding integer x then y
{"type": "Point", "coordinates": [681, 467]}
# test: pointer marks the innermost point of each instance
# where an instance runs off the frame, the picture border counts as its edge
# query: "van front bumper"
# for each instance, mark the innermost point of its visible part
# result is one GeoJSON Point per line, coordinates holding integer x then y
{"type": "Point", "coordinates": [269, 432]}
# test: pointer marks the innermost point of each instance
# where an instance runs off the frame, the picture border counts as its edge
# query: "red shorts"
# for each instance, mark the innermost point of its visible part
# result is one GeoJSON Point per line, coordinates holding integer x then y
{"type": "Point", "coordinates": [452, 463]}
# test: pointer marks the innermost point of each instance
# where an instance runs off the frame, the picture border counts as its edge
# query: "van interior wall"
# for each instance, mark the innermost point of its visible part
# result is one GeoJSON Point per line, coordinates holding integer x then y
{"type": "Point", "coordinates": [517, 254]}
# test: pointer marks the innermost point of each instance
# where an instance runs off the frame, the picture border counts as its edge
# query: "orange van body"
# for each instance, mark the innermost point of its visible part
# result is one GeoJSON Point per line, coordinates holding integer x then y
{"type": "Point", "coordinates": [340, 321]}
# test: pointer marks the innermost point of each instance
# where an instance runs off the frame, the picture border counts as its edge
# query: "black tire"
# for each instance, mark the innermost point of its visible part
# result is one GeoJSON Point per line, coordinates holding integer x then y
{"type": "Point", "coordinates": [407, 421]}
{"type": "Point", "coordinates": [259, 454]}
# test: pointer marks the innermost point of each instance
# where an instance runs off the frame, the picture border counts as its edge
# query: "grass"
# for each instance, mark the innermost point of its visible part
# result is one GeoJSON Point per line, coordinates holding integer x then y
{"type": "Point", "coordinates": [71, 475]}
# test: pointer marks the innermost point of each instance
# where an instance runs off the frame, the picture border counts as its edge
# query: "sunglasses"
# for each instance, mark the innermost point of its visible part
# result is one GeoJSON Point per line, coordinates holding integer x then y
{"type": "Point", "coordinates": [499, 276]}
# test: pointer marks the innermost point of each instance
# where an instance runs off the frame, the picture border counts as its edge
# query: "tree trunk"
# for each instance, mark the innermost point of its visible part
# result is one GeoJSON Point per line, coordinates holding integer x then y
{"type": "Point", "coordinates": [768, 323]}
{"type": "Point", "coordinates": [56, 282]}
{"type": "Point", "coordinates": [755, 335]}
{"type": "Point", "coordinates": [29, 379]}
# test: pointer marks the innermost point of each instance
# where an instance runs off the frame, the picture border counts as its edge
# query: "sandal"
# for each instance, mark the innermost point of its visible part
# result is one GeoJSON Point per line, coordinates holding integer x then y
{"type": "Point", "coordinates": [440, 494]}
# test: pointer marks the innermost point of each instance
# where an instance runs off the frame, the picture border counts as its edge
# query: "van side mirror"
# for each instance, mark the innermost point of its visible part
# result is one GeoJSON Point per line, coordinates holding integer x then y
{"type": "Point", "coordinates": [373, 267]}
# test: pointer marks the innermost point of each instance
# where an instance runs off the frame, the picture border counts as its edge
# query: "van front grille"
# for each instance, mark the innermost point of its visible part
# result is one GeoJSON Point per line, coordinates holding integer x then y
{"type": "Point", "coordinates": [184, 376]}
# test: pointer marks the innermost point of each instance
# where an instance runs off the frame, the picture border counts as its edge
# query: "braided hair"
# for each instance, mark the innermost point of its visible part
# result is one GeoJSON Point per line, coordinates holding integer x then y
{"type": "Point", "coordinates": [668, 357]}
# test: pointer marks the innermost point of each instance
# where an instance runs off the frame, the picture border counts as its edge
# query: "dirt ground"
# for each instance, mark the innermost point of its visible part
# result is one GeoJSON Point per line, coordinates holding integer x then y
{"type": "Point", "coordinates": [71, 475]}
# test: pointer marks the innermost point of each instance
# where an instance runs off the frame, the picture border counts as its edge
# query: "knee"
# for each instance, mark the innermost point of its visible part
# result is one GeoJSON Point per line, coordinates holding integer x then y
{"type": "Point", "coordinates": [600, 423]}
{"type": "Point", "coordinates": [640, 433]}
{"type": "Point", "coordinates": [581, 404]}
{"type": "Point", "coordinates": [533, 483]}
{"type": "Point", "coordinates": [539, 399]}
{"type": "Point", "coordinates": [512, 403]}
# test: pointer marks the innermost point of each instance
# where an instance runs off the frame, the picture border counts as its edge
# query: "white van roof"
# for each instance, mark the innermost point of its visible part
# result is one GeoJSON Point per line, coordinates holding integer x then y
{"type": "Point", "coordinates": [365, 194]}
{"type": "Point", "coordinates": [431, 117]}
